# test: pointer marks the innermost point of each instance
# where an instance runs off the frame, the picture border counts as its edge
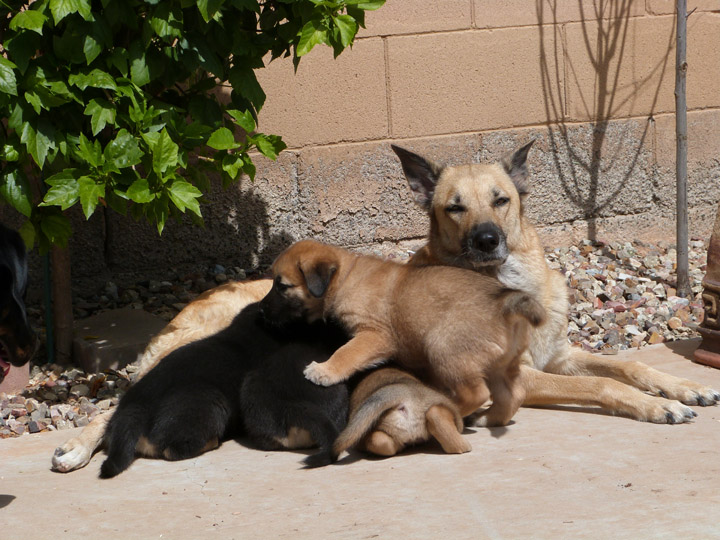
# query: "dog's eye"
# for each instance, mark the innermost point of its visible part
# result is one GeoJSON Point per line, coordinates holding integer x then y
{"type": "Point", "coordinates": [280, 285]}
{"type": "Point", "coordinates": [502, 201]}
{"type": "Point", "coordinates": [455, 208]}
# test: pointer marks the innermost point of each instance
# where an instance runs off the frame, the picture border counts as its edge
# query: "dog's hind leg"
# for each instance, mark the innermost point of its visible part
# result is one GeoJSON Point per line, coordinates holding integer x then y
{"type": "Point", "coordinates": [190, 423]}
{"type": "Point", "coordinates": [636, 374]}
{"type": "Point", "coordinates": [611, 395]}
{"type": "Point", "coordinates": [323, 432]}
{"type": "Point", "coordinates": [441, 425]}
{"type": "Point", "coordinates": [122, 436]}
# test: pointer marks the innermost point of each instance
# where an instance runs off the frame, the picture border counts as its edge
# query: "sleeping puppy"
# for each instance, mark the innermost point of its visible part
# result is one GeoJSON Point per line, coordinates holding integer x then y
{"type": "Point", "coordinates": [191, 400]}
{"type": "Point", "coordinates": [390, 409]}
{"type": "Point", "coordinates": [17, 339]}
{"type": "Point", "coordinates": [462, 331]}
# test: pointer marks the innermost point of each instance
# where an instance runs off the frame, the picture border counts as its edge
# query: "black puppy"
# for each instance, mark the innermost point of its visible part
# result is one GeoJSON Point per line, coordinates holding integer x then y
{"type": "Point", "coordinates": [17, 339]}
{"type": "Point", "coordinates": [191, 400]}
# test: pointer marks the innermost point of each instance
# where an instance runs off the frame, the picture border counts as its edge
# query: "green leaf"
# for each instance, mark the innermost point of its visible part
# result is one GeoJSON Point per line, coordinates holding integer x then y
{"type": "Point", "coordinates": [232, 164]}
{"type": "Point", "coordinates": [158, 212]}
{"type": "Point", "coordinates": [102, 112]}
{"type": "Point", "coordinates": [208, 8]}
{"type": "Point", "coordinates": [268, 145]}
{"type": "Point", "coordinates": [123, 151]}
{"type": "Point", "coordinates": [21, 48]}
{"type": "Point", "coordinates": [249, 167]}
{"type": "Point", "coordinates": [89, 191]}
{"type": "Point", "coordinates": [367, 5]}
{"type": "Point", "coordinates": [29, 19]}
{"type": "Point", "coordinates": [92, 48]}
{"type": "Point", "coordinates": [139, 191]}
{"type": "Point", "coordinates": [166, 23]}
{"type": "Point", "coordinates": [222, 139]}
{"type": "Point", "coordinates": [63, 191]}
{"type": "Point", "coordinates": [15, 189]}
{"type": "Point", "coordinates": [96, 78]}
{"type": "Point", "coordinates": [27, 232]}
{"type": "Point", "coordinates": [8, 83]}
{"type": "Point", "coordinates": [312, 33]}
{"type": "Point", "coordinates": [244, 81]}
{"type": "Point", "coordinates": [56, 229]}
{"type": "Point", "coordinates": [38, 140]}
{"type": "Point", "coordinates": [62, 8]}
{"type": "Point", "coordinates": [90, 152]}
{"type": "Point", "coordinates": [165, 153]}
{"type": "Point", "coordinates": [244, 119]}
{"type": "Point", "coordinates": [199, 178]}
{"type": "Point", "coordinates": [139, 70]}
{"type": "Point", "coordinates": [117, 201]}
{"type": "Point", "coordinates": [185, 195]}
{"type": "Point", "coordinates": [347, 28]}
{"type": "Point", "coordinates": [9, 153]}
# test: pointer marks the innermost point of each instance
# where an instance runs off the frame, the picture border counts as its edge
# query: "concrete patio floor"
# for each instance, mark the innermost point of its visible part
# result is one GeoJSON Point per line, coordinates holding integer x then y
{"type": "Point", "coordinates": [554, 473]}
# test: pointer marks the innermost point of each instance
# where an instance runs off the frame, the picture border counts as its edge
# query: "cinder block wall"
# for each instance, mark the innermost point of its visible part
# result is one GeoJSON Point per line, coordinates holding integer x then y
{"type": "Point", "coordinates": [461, 80]}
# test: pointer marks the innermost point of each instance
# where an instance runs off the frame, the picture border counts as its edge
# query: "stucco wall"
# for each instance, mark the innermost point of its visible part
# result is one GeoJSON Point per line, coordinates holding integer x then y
{"type": "Point", "coordinates": [461, 80]}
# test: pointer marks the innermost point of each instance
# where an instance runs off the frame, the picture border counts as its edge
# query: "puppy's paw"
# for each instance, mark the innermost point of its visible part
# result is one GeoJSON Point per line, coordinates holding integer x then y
{"type": "Point", "coordinates": [320, 374]}
{"type": "Point", "coordinates": [70, 456]}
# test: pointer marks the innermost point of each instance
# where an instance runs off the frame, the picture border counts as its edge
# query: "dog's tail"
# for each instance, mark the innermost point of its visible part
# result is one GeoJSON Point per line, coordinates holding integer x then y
{"type": "Point", "coordinates": [121, 438]}
{"type": "Point", "coordinates": [365, 418]}
{"type": "Point", "coordinates": [521, 304]}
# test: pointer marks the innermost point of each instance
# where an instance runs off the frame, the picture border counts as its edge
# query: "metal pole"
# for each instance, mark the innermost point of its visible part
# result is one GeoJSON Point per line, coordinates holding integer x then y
{"type": "Point", "coordinates": [683, 280]}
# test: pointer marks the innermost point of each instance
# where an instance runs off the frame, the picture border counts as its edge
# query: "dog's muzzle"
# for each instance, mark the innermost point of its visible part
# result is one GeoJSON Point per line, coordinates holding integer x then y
{"type": "Point", "coordinates": [486, 245]}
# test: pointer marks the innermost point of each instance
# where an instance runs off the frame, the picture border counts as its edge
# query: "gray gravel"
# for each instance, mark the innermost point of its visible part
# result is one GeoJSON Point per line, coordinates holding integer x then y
{"type": "Point", "coordinates": [623, 295]}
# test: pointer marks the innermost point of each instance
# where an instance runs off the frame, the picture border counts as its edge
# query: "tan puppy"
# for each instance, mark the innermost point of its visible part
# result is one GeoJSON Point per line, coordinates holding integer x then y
{"type": "Point", "coordinates": [390, 409]}
{"type": "Point", "coordinates": [464, 331]}
{"type": "Point", "coordinates": [477, 222]}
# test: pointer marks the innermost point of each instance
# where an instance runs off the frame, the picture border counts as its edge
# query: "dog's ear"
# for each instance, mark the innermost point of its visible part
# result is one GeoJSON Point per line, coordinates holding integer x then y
{"type": "Point", "coordinates": [318, 276]}
{"type": "Point", "coordinates": [421, 174]}
{"type": "Point", "coordinates": [516, 167]}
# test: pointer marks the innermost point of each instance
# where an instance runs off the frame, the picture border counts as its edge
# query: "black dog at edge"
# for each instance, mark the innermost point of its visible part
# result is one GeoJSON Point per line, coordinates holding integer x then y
{"type": "Point", "coordinates": [245, 380]}
{"type": "Point", "coordinates": [17, 339]}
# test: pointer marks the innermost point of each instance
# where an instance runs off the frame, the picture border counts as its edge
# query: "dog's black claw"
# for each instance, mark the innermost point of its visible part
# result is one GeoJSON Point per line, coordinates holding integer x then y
{"type": "Point", "coordinates": [662, 394]}
{"type": "Point", "coordinates": [670, 418]}
{"type": "Point", "coordinates": [716, 397]}
{"type": "Point", "coordinates": [701, 401]}
{"type": "Point", "coordinates": [59, 452]}
{"type": "Point", "coordinates": [694, 414]}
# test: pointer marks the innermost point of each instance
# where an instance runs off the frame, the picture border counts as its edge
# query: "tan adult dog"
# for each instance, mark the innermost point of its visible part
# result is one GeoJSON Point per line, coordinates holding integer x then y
{"type": "Point", "coordinates": [597, 380]}
{"type": "Point", "coordinates": [390, 409]}
{"type": "Point", "coordinates": [477, 222]}
{"type": "Point", "coordinates": [464, 331]}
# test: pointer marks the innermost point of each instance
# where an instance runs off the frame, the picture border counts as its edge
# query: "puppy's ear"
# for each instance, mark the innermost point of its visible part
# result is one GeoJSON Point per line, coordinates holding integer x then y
{"type": "Point", "coordinates": [421, 174]}
{"type": "Point", "coordinates": [516, 168]}
{"type": "Point", "coordinates": [318, 276]}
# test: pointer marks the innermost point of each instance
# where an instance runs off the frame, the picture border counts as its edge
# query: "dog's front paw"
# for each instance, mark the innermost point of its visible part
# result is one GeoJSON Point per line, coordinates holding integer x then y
{"type": "Point", "coordinates": [70, 456]}
{"type": "Point", "coordinates": [320, 374]}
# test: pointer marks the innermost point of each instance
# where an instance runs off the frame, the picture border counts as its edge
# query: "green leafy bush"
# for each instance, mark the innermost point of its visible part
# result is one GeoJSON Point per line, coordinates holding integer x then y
{"type": "Point", "coordinates": [115, 102]}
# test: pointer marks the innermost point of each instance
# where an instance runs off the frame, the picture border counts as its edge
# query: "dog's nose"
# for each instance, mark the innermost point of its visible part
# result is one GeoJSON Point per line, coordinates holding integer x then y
{"type": "Point", "coordinates": [485, 240]}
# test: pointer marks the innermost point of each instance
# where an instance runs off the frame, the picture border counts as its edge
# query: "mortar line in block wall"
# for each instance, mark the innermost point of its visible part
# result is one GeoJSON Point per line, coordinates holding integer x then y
{"type": "Point", "coordinates": [563, 59]}
{"type": "Point", "coordinates": [388, 93]}
{"type": "Point", "coordinates": [473, 21]}
{"type": "Point", "coordinates": [643, 118]}
{"type": "Point", "coordinates": [474, 28]}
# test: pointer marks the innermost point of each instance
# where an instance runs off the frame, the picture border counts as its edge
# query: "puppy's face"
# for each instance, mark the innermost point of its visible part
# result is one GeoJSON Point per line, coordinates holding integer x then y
{"type": "Point", "coordinates": [303, 274]}
{"type": "Point", "coordinates": [475, 210]}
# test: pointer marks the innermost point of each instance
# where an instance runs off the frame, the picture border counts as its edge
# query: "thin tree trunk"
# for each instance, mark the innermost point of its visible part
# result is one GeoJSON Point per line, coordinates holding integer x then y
{"type": "Point", "coordinates": [62, 303]}
{"type": "Point", "coordinates": [683, 285]}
